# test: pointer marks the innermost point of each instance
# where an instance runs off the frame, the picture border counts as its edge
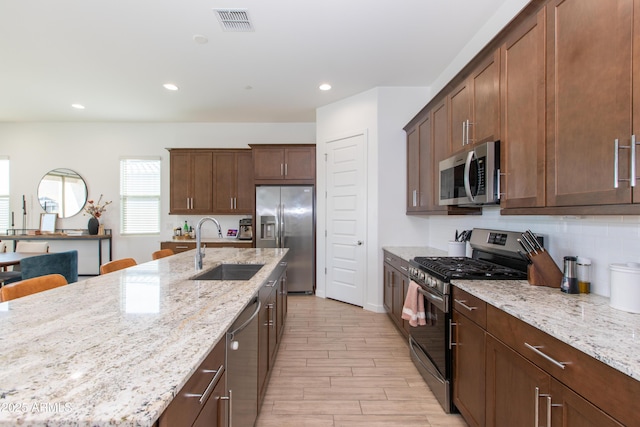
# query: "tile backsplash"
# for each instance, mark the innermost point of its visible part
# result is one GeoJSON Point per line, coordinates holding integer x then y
{"type": "Point", "coordinates": [603, 239]}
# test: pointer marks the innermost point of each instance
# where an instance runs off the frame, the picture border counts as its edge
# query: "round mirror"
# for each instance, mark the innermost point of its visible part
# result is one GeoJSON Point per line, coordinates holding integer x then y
{"type": "Point", "coordinates": [62, 191]}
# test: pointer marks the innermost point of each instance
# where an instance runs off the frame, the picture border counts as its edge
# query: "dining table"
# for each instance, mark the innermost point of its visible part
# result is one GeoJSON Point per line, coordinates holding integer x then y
{"type": "Point", "coordinates": [8, 259]}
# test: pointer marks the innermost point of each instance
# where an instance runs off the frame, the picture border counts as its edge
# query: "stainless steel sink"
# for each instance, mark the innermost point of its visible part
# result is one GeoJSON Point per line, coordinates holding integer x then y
{"type": "Point", "coordinates": [230, 272]}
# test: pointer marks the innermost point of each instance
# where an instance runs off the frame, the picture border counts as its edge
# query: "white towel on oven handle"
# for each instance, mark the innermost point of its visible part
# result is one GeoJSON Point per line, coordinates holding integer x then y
{"type": "Point", "coordinates": [413, 309]}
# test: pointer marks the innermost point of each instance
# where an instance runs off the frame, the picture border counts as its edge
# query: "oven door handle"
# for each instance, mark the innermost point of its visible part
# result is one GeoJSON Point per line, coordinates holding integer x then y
{"type": "Point", "coordinates": [439, 302]}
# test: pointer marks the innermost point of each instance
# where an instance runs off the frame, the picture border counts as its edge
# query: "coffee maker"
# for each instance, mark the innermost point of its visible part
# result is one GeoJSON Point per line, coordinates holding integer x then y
{"type": "Point", "coordinates": [245, 229]}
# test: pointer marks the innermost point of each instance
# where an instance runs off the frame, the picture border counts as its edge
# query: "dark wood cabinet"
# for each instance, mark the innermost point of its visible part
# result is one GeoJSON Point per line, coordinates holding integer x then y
{"type": "Point", "coordinates": [201, 401]}
{"type": "Point", "coordinates": [273, 311]}
{"type": "Point", "coordinates": [208, 181]}
{"type": "Point", "coordinates": [178, 246]}
{"type": "Point", "coordinates": [396, 282]}
{"type": "Point", "coordinates": [233, 182]}
{"type": "Point", "coordinates": [474, 106]}
{"type": "Point", "coordinates": [469, 323]}
{"type": "Point", "coordinates": [569, 409]}
{"type": "Point", "coordinates": [507, 372]}
{"type": "Point", "coordinates": [284, 163]}
{"type": "Point", "coordinates": [191, 182]}
{"type": "Point", "coordinates": [514, 387]}
{"type": "Point", "coordinates": [422, 196]}
{"type": "Point", "coordinates": [589, 100]}
{"type": "Point", "coordinates": [214, 412]}
{"type": "Point", "coordinates": [523, 115]}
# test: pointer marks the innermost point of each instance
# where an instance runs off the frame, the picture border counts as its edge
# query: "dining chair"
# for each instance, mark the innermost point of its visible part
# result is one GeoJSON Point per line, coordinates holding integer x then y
{"type": "Point", "coordinates": [31, 286]}
{"type": "Point", "coordinates": [117, 264]}
{"type": "Point", "coordinates": [162, 253]}
{"type": "Point", "coordinates": [32, 247]}
{"type": "Point", "coordinates": [3, 247]}
{"type": "Point", "coordinates": [63, 263]}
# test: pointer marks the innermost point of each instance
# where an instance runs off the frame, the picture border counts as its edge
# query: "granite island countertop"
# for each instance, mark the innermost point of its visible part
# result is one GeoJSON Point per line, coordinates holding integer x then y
{"type": "Point", "coordinates": [585, 321]}
{"type": "Point", "coordinates": [115, 349]}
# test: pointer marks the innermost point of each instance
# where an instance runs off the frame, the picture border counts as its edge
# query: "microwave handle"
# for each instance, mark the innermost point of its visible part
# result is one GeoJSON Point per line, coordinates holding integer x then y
{"type": "Point", "coordinates": [467, 168]}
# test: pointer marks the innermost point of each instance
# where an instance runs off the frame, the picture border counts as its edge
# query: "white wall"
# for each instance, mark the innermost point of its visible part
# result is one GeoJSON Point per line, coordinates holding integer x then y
{"type": "Point", "coordinates": [94, 150]}
{"type": "Point", "coordinates": [380, 114]}
{"type": "Point", "coordinates": [604, 239]}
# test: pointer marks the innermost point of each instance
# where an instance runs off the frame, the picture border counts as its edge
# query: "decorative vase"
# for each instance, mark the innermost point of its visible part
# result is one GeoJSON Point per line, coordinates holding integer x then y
{"type": "Point", "coordinates": [93, 225]}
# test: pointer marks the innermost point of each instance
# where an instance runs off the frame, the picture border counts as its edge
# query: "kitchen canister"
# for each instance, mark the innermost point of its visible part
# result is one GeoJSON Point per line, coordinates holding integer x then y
{"type": "Point", "coordinates": [457, 249]}
{"type": "Point", "coordinates": [625, 286]}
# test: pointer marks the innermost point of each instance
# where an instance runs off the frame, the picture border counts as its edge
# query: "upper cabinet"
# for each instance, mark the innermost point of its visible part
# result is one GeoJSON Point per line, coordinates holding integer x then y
{"type": "Point", "coordinates": [589, 99]}
{"type": "Point", "coordinates": [420, 168]}
{"type": "Point", "coordinates": [284, 163]}
{"type": "Point", "coordinates": [474, 106]}
{"type": "Point", "coordinates": [560, 88]}
{"type": "Point", "coordinates": [427, 145]}
{"type": "Point", "coordinates": [523, 115]}
{"type": "Point", "coordinates": [233, 182]}
{"type": "Point", "coordinates": [211, 181]}
{"type": "Point", "coordinates": [191, 182]}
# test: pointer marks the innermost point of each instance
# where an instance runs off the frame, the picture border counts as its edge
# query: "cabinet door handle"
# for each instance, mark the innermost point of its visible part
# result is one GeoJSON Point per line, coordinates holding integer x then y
{"type": "Point", "coordinates": [415, 198]}
{"type": "Point", "coordinates": [462, 303]}
{"type": "Point", "coordinates": [451, 325]}
{"type": "Point", "coordinates": [187, 203]}
{"type": "Point", "coordinates": [203, 397]}
{"type": "Point", "coordinates": [633, 161]}
{"type": "Point", "coordinates": [281, 169]}
{"type": "Point", "coordinates": [286, 169]}
{"type": "Point", "coordinates": [463, 133]}
{"type": "Point", "coordinates": [535, 348]}
{"type": "Point", "coordinates": [230, 399]}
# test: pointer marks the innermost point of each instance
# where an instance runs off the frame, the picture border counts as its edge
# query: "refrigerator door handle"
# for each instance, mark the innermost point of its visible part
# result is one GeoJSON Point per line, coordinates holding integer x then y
{"type": "Point", "coordinates": [278, 232]}
{"type": "Point", "coordinates": [282, 228]}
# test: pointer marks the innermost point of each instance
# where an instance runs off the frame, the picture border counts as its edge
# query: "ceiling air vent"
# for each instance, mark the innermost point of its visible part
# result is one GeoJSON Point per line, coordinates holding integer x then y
{"type": "Point", "coordinates": [234, 19]}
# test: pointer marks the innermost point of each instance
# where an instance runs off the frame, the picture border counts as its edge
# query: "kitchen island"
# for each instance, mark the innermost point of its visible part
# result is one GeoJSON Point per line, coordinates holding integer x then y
{"type": "Point", "coordinates": [115, 349]}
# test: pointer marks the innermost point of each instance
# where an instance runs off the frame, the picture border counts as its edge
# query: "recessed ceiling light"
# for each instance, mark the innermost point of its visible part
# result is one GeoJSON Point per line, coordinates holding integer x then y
{"type": "Point", "coordinates": [78, 106]}
{"type": "Point", "coordinates": [324, 86]}
{"type": "Point", "coordinates": [170, 86]}
{"type": "Point", "coordinates": [200, 39]}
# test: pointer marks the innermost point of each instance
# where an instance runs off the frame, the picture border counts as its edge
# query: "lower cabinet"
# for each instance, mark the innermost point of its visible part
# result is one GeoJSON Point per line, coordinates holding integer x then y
{"type": "Point", "coordinates": [512, 382]}
{"type": "Point", "coordinates": [468, 343]}
{"type": "Point", "coordinates": [273, 298]}
{"type": "Point", "coordinates": [396, 283]}
{"type": "Point", "coordinates": [178, 247]}
{"type": "Point", "coordinates": [202, 399]}
{"type": "Point", "coordinates": [509, 373]}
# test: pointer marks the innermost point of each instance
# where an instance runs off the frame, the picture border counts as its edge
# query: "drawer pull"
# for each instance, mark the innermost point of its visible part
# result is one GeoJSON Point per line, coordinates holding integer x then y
{"type": "Point", "coordinates": [462, 303]}
{"type": "Point", "coordinates": [536, 350]}
{"type": "Point", "coordinates": [404, 268]}
{"type": "Point", "coordinates": [203, 397]}
{"type": "Point", "coordinates": [182, 247]}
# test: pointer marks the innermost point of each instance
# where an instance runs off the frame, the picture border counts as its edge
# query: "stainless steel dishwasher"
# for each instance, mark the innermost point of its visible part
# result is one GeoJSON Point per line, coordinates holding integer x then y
{"type": "Point", "coordinates": [242, 366]}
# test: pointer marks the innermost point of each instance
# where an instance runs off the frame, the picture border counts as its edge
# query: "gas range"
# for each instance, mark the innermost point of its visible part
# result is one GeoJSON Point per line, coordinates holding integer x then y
{"type": "Point", "coordinates": [496, 256]}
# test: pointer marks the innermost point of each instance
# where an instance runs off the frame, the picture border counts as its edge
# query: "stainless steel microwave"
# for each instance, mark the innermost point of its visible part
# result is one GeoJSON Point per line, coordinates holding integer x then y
{"type": "Point", "coordinates": [471, 177]}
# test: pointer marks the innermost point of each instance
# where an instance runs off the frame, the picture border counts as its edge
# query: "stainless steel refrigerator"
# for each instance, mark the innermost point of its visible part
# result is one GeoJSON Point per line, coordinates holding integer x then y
{"type": "Point", "coordinates": [285, 218]}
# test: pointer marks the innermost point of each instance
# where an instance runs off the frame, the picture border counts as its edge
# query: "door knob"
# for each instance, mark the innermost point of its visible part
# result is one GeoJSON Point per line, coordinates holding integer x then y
{"type": "Point", "coordinates": [359, 243]}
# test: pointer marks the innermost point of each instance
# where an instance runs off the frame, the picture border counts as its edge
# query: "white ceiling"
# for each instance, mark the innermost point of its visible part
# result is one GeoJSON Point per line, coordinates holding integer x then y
{"type": "Point", "coordinates": [113, 56]}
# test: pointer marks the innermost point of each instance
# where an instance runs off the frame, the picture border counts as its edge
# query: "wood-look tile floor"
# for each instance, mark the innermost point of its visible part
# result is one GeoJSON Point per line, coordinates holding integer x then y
{"type": "Point", "coordinates": [340, 365]}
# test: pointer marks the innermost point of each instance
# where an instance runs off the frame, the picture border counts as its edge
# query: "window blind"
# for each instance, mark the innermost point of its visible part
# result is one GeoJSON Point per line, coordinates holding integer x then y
{"type": "Point", "coordinates": [140, 196]}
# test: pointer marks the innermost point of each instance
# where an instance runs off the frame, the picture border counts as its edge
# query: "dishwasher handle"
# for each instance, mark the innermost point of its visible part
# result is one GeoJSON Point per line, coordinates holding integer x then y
{"type": "Point", "coordinates": [231, 335]}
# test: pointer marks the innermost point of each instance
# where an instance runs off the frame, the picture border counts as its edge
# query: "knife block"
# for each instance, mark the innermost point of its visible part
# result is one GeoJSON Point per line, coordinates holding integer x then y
{"type": "Point", "coordinates": [543, 271]}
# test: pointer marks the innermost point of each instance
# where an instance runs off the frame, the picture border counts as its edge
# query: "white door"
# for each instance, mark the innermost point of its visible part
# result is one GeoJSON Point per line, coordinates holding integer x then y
{"type": "Point", "coordinates": [346, 219]}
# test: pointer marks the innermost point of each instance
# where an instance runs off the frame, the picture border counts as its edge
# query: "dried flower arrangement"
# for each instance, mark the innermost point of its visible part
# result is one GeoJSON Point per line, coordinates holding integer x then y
{"type": "Point", "coordinates": [95, 210]}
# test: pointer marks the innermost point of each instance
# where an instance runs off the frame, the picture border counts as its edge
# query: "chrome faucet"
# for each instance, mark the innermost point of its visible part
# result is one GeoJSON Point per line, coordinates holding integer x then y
{"type": "Point", "coordinates": [199, 251]}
